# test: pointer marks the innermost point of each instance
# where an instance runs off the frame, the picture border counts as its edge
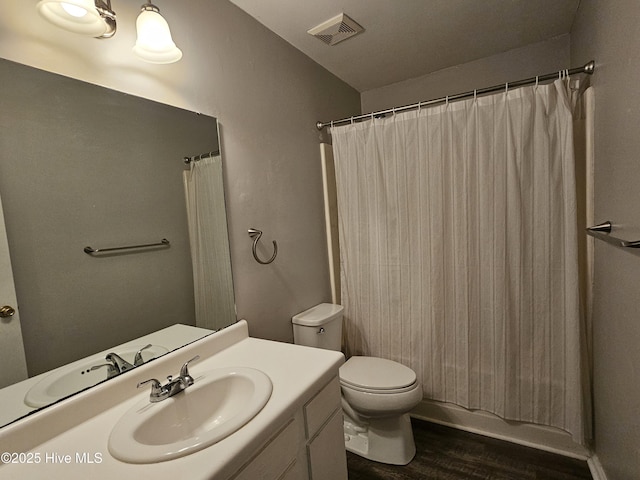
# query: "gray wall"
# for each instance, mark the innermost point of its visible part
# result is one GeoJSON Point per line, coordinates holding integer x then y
{"type": "Point", "coordinates": [270, 95]}
{"type": "Point", "coordinates": [538, 58]}
{"type": "Point", "coordinates": [609, 32]}
{"type": "Point", "coordinates": [267, 97]}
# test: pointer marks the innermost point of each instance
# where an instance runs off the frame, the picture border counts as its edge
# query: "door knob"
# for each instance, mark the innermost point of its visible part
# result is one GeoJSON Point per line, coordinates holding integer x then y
{"type": "Point", "coordinates": [6, 311]}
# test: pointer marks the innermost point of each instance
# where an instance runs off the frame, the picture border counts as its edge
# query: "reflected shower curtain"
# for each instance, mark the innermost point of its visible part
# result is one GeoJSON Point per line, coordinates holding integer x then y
{"type": "Point", "coordinates": [458, 246]}
{"type": "Point", "coordinates": [209, 242]}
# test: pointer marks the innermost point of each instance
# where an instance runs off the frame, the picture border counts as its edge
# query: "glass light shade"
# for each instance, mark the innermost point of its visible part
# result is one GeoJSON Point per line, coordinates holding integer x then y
{"type": "Point", "coordinates": [77, 16]}
{"type": "Point", "coordinates": [154, 43]}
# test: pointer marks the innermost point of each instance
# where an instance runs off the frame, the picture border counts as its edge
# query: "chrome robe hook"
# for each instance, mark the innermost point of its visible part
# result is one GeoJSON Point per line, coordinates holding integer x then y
{"type": "Point", "coordinates": [256, 234]}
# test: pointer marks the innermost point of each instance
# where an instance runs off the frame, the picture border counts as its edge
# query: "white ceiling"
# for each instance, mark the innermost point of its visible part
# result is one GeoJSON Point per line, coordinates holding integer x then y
{"type": "Point", "coordinates": [409, 38]}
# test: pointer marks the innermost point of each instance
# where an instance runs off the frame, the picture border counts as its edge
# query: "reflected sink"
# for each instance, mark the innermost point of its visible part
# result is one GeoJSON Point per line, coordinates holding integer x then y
{"type": "Point", "coordinates": [219, 403]}
{"type": "Point", "coordinates": [77, 376]}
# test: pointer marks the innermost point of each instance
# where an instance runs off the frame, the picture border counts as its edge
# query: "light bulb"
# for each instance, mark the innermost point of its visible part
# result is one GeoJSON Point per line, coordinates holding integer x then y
{"type": "Point", "coordinates": [78, 16]}
{"type": "Point", "coordinates": [74, 10]}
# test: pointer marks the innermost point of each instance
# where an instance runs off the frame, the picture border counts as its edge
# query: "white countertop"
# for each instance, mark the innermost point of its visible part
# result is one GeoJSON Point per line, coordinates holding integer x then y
{"type": "Point", "coordinates": [295, 371]}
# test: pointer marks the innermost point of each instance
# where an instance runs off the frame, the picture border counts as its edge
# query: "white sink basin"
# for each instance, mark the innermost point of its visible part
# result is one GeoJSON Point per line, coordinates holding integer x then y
{"type": "Point", "coordinates": [77, 376]}
{"type": "Point", "coordinates": [219, 403]}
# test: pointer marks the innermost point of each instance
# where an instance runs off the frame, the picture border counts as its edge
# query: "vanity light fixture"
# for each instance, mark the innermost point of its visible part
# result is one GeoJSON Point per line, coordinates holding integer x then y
{"type": "Point", "coordinates": [154, 43]}
{"type": "Point", "coordinates": [95, 18]}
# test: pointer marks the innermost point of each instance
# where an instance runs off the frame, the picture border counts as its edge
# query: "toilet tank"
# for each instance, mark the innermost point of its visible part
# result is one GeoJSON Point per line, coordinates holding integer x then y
{"type": "Point", "coordinates": [320, 327]}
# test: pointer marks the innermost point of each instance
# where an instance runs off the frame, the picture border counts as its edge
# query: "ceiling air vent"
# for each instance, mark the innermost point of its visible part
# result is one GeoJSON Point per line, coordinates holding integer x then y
{"type": "Point", "coordinates": [335, 30]}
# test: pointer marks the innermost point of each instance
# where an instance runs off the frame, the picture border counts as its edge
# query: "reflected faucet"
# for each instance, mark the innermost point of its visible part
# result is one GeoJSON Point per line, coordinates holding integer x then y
{"type": "Point", "coordinates": [173, 386]}
{"type": "Point", "coordinates": [118, 362]}
{"type": "Point", "coordinates": [116, 365]}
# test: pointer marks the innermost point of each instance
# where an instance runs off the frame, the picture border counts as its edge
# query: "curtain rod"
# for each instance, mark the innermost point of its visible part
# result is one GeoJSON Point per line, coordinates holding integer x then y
{"type": "Point", "coordinates": [587, 68]}
{"type": "Point", "coordinates": [188, 160]}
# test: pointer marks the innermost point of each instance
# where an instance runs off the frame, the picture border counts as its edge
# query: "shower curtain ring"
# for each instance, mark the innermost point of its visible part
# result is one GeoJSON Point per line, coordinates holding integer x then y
{"type": "Point", "coordinates": [256, 234]}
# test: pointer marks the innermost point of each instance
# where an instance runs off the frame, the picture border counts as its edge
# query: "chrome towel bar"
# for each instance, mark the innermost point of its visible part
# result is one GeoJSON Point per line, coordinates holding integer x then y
{"type": "Point", "coordinates": [603, 232]}
{"type": "Point", "coordinates": [92, 251]}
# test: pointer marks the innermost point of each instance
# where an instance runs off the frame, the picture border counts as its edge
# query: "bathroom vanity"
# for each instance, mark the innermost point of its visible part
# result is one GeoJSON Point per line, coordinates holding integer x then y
{"type": "Point", "coordinates": [296, 435]}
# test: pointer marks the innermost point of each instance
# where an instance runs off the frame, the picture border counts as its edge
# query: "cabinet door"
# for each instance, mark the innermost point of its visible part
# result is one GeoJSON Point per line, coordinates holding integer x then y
{"type": "Point", "coordinates": [327, 453]}
{"type": "Point", "coordinates": [275, 458]}
{"type": "Point", "coordinates": [295, 472]}
{"type": "Point", "coordinates": [321, 407]}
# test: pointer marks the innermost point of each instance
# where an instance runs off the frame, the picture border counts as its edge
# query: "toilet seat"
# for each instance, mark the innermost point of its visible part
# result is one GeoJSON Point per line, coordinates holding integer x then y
{"type": "Point", "coordinates": [376, 375]}
{"type": "Point", "coordinates": [378, 392]}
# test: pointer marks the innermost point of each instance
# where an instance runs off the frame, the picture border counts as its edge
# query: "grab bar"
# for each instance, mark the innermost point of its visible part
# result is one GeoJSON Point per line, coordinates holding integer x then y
{"type": "Point", "coordinates": [92, 251]}
{"type": "Point", "coordinates": [603, 231]}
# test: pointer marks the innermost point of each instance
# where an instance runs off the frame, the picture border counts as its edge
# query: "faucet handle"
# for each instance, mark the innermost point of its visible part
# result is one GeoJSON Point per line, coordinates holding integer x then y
{"type": "Point", "coordinates": [184, 371]}
{"type": "Point", "coordinates": [138, 360]}
{"type": "Point", "coordinates": [112, 370]}
{"type": "Point", "coordinates": [157, 391]}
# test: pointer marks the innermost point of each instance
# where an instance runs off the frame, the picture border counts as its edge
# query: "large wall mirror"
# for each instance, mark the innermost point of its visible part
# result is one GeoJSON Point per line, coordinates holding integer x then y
{"type": "Point", "coordinates": [85, 166]}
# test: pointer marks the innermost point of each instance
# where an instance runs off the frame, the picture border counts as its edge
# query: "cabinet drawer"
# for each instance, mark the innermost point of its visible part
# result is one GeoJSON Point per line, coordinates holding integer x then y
{"type": "Point", "coordinates": [275, 457]}
{"type": "Point", "coordinates": [320, 407]}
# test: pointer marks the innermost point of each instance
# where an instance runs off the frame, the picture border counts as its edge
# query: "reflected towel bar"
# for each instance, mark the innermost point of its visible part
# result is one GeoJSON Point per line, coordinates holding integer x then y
{"type": "Point", "coordinates": [91, 251]}
{"type": "Point", "coordinates": [603, 232]}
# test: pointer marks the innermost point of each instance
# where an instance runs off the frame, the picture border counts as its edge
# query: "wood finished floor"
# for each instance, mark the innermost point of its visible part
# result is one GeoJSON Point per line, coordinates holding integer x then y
{"type": "Point", "coordinates": [445, 453]}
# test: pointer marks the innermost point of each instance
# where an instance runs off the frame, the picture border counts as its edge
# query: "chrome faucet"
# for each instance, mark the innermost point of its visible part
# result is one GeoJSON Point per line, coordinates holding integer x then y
{"type": "Point", "coordinates": [173, 386]}
{"type": "Point", "coordinates": [118, 362]}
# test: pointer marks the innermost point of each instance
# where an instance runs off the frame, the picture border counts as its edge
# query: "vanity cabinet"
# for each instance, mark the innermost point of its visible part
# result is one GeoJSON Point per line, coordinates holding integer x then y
{"type": "Point", "coordinates": [296, 436]}
{"type": "Point", "coordinates": [309, 447]}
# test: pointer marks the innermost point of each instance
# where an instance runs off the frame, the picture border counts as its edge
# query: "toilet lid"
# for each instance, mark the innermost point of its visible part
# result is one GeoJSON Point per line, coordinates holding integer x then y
{"type": "Point", "coordinates": [375, 373]}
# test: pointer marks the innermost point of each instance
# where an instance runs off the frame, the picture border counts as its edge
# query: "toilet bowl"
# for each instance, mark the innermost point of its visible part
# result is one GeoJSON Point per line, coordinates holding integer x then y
{"type": "Point", "coordinates": [377, 393]}
{"type": "Point", "coordinates": [376, 396]}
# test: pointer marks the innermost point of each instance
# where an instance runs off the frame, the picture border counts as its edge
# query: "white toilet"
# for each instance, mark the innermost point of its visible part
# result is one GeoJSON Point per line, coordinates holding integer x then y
{"type": "Point", "coordinates": [377, 394]}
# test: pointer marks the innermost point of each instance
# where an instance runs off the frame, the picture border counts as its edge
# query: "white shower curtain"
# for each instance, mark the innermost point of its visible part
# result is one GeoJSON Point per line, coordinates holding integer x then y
{"type": "Point", "coordinates": [208, 238]}
{"type": "Point", "coordinates": [458, 239]}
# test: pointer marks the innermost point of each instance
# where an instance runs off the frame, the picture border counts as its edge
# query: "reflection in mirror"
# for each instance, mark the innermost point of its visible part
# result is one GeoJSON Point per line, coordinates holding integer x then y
{"type": "Point", "coordinates": [82, 165]}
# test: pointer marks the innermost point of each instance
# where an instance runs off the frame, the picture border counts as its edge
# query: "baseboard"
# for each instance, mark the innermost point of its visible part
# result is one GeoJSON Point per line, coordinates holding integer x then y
{"type": "Point", "coordinates": [597, 472]}
{"type": "Point", "coordinates": [484, 423]}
